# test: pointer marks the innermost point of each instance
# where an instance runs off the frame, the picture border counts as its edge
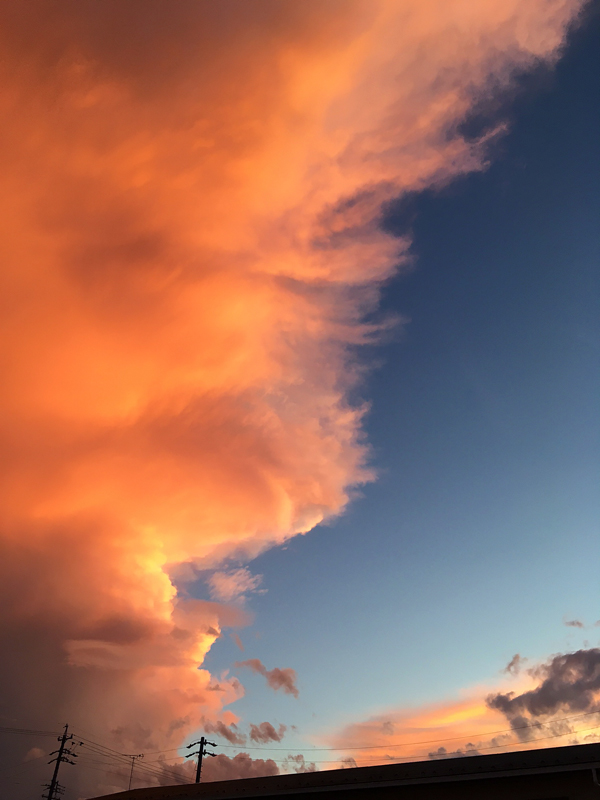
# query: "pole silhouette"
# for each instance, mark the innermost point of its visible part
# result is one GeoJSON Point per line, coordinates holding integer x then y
{"type": "Point", "coordinates": [62, 754]}
{"type": "Point", "coordinates": [202, 751]}
{"type": "Point", "coordinates": [133, 758]}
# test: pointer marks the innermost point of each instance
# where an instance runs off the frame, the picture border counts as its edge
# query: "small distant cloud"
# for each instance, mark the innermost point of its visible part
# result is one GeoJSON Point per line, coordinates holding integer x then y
{"type": "Point", "coordinates": [238, 641]}
{"type": "Point", "coordinates": [515, 665]}
{"type": "Point", "coordinates": [348, 763]}
{"type": "Point", "coordinates": [299, 764]}
{"type": "Point", "coordinates": [265, 732]}
{"type": "Point", "coordinates": [233, 585]}
{"type": "Point", "coordinates": [276, 678]}
{"type": "Point", "coordinates": [228, 732]}
{"type": "Point", "coordinates": [34, 753]}
{"type": "Point", "coordinates": [574, 623]}
{"type": "Point", "coordinates": [441, 752]}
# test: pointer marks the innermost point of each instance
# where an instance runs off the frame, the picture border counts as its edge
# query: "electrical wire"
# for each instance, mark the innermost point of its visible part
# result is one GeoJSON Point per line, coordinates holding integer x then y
{"type": "Point", "coordinates": [22, 765]}
{"type": "Point", "coordinates": [28, 732]}
{"type": "Point", "coordinates": [125, 760]}
{"type": "Point", "coordinates": [99, 757]}
{"type": "Point", "coordinates": [536, 726]}
{"type": "Point", "coordinates": [417, 757]}
{"type": "Point", "coordinates": [154, 772]}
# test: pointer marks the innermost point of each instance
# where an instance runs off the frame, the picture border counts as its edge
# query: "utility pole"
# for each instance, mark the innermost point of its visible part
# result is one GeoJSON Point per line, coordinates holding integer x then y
{"type": "Point", "coordinates": [202, 751]}
{"type": "Point", "coordinates": [133, 758]}
{"type": "Point", "coordinates": [54, 788]}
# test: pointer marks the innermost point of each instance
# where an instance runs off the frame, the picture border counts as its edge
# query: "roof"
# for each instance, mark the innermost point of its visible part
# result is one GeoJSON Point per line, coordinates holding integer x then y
{"type": "Point", "coordinates": [503, 765]}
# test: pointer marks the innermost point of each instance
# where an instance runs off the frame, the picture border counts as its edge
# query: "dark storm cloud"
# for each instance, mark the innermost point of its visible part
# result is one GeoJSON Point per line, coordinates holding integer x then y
{"type": "Point", "coordinates": [569, 683]}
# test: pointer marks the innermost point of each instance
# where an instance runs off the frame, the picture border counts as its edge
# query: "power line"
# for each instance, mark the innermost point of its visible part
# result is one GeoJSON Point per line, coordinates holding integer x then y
{"type": "Point", "coordinates": [22, 765]}
{"type": "Point", "coordinates": [99, 757]}
{"type": "Point", "coordinates": [418, 757]}
{"type": "Point", "coordinates": [426, 741]}
{"type": "Point", "coordinates": [159, 774]}
{"type": "Point", "coordinates": [28, 732]}
{"type": "Point", "coordinates": [146, 769]}
{"type": "Point", "coordinates": [124, 759]}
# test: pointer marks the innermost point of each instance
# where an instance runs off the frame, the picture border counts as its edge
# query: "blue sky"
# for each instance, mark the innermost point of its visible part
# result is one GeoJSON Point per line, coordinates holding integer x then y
{"type": "Point", "coordinates": [480, 536]}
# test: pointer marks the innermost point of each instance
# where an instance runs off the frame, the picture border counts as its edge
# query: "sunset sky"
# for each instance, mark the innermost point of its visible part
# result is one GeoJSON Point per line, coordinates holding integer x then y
{"type": "Point", "coordinates": [300, 346]}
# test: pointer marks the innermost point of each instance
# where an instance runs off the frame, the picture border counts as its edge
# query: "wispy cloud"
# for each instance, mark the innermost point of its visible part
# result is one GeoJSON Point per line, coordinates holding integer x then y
{"type": "Point", "coordinates": [515, 665]}
{"type": "Point", "coordinates": [277, 678]}
{"type": "Point", "coordinates": [233, 585]}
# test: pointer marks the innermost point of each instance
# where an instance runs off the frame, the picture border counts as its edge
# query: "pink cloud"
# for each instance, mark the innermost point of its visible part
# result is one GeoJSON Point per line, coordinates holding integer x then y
{"type": "Point", "coordinates": [233, 585]}
{"type": "Point", "coordinates": [276, 678]}
{"type": "Point", "coordinates": [265, 732]}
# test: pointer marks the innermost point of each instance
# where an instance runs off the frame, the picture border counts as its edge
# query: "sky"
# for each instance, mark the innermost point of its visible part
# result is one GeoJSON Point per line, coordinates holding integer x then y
{"type": "Point", "coordinates": [300, 347]}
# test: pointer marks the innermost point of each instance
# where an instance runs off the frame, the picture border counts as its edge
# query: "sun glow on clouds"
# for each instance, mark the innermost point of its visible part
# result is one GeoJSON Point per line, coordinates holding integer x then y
{"type": "Point", "coordinates": [546, 705]}
{"type": "Point", "coordinates": [190, 225]}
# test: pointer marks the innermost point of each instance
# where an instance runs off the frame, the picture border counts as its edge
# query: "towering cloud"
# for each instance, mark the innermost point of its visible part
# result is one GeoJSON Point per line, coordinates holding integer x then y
{"type": "Point", "coordinates": [191, 203]}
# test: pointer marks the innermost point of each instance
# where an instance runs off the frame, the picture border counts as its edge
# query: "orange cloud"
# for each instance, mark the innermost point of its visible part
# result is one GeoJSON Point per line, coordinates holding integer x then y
{"type": "Point", "coordinates": [190, 218]}
{"type": "Point", "coordinates": [549, 705]}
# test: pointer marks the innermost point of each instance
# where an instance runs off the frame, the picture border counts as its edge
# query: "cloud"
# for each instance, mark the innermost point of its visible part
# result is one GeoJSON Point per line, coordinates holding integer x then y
{"type": "Point", "coordinates": [568, 683]}
{"type": "Point", "coordinates": [33, 753]}
{"type": "Point", "coordinates": [574, 623]}
{"type": "Point", "coordinates": [436, 730]}
{"type": "Point", "coordinates": [234, 585]}
{"type": "Point", "coordinates": [223, 768]}
{"type": "Point", "coordinates": [237, 641]}
{"type": "Point", "coordinates": [552, 703]}
{"type": "Point", "coordinates": [265, 732]}
{"type": "Point", "coordinates": [192, 258]}
{"type": "Point", "coordinates": [297, 763]}
{"type": "Point", "coordinates": [441, 752]}
{"type": "Point", "coordinates": [219, 768]}
{"type": "Point", "coordinates": [276, 678]}
{"type": "Point", "coordinates": [515, 665]}
{"type": "Point", "coordinates": [228, 732]}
